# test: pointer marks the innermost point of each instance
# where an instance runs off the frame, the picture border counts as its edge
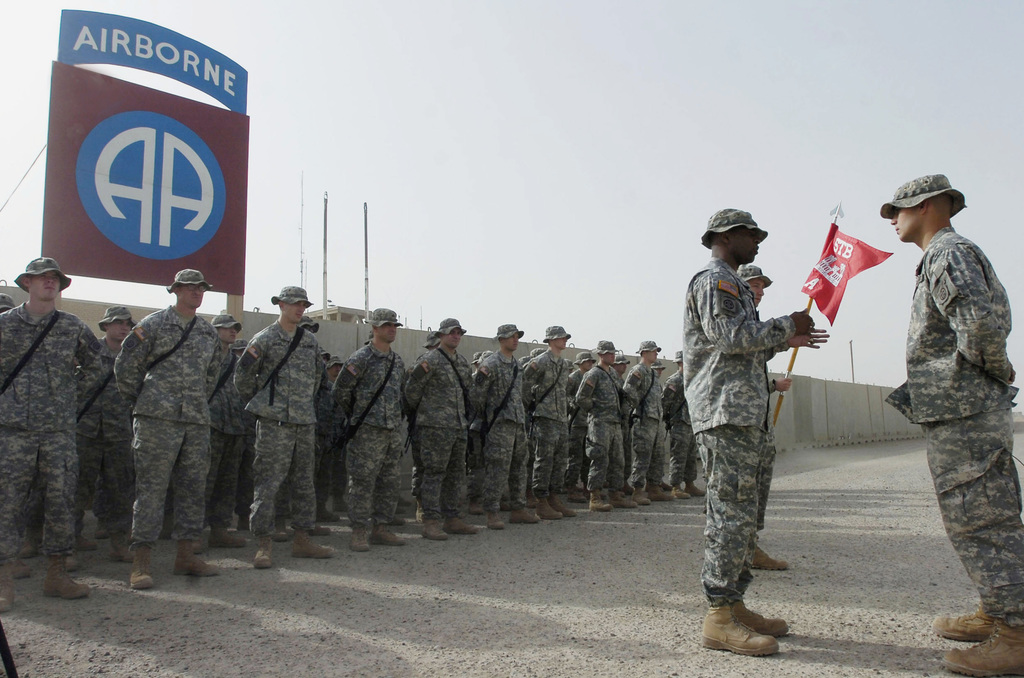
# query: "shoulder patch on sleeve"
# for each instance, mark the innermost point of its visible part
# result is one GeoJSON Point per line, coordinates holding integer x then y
{"type": "Point", "coordinates": [727, 305]}
{"type": "Point", "coordinates": [532, 365]}
{"type": "Point", "coordinates": [944, 291]}
{"type": "Point", "coordinates": [483, 370]}
{"type": "Point", "coordinates": [590, 383]}
{"type": "Point", "coordinates": [250, 356]}
{"type": "Point", "coordinates": [422, 368]}
{"type": "Point", "coordinates": [352, 369]}
{"type": "Point", "coordinates": [671, 386]}
{"type": "Point", "coordinates": [727, 286]}
{"type": "Point", "coordinates": [133, 339]}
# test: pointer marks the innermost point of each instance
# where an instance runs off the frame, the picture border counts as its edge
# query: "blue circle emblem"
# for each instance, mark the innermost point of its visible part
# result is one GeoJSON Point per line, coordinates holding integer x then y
{"type": "Point", "coordinates": [150, 185]}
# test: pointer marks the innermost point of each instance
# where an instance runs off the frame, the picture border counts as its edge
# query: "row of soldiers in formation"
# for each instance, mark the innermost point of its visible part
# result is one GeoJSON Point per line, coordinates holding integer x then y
{"type": "Point", "coordinates": [176, 425]}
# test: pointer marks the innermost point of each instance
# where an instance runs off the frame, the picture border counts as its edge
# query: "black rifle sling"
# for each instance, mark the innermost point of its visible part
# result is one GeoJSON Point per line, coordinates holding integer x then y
{"type": "Point", "coordinates": [508, 393]}
{"type": "Point", "coordinates": [224, 377]}
{"type": "Point", "coordinates": [28, 354]}
{"type": "Point", "coordinates": [95, 394]}
{"type": "Point", "coordinates": [184, 337]}
{"type": "Point", "coordinates": [465, 391]}
{"type": "Point", "coordinates": [538, 401]}
{"type": "Point", "coordinates": [359, 422]}
{"type": "Point", "coordinates": [272, 379]}
{"type": "Point", "coordinates": [641, 408]}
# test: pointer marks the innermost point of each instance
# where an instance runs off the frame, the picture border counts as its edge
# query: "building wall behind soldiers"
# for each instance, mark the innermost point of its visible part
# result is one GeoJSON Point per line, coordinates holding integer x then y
{"type": "Point", "coordinates": [815, 412]}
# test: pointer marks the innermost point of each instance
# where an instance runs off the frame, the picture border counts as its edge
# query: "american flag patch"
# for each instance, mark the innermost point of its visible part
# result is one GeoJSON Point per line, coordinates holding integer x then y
{"type": "Point", "coordinates": [727, 286]}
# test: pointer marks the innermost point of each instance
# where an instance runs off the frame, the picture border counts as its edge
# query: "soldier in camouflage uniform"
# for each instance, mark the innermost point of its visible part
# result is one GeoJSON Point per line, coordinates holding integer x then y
{"type": "Point", "coordinates": [37, 422]}
{"type": "Point", "coordinates": [545, 380]}
{"type": "Point", "coordinates": [600, 398]}
{"type": "Point", "coordinates": [335, 422]}
{"type": "Point", "coordinates": [959, 389]}
{"type": "Point", "coordinates": [474, 458]}
{"type": "Point", "coordinates": [104, 442]}
{"type": "Point", "coordinates": [437, 392]}
{"type": "Point", "coordinates": [682, 445]}
{"type": "Point", "coordinates": [498, 400]}
{"type": "Point", "coordinates": [727, 394]}
{"type": "Point", "coordinates": [758, 282]}
{"type": "Point", "coordinates": [227, 440]}
{"type": "Point", "coordinates": [374, 449]}
{"type": "Point", "coordinates": [433, 341]}
{"type": "Point", "coordinates": [656, 469]}
{"type": "Point", "coordinates": [620, 366]}
{"type": "Point", "coordinates": [278, 377]}
{"type": "Point", "coordinates": [6, 302]}
{"type": "Point", "coordinates": [243, 493]}
{"type": "Point", "coordinates": [577, 470]}
{"type": "Point", "coordinates": [167, 370]}
{"type": "Point", "coordinates": [642, 392]}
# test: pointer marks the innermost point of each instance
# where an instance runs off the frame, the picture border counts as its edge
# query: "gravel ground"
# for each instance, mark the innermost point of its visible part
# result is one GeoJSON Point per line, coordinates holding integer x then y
{"type": "Point", "coordinates": [598, 595]}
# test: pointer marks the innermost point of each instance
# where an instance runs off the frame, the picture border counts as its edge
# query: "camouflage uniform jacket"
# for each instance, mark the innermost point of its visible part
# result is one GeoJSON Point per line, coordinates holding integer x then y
{"type": "Point", "coordinates": [226, 407]}
{"type": "Point", "coordinates": [327, 413]}
{"type": "Point", "coordinates": [43, 395]}
{"type": "Point", "coordinates": [643, 392]}
{"type": "Point", "coordinates": [492, 382]}
{"type": "Point", "coordinates": [289, 396]}
{"type": "Point", "coordinates": [726, 350]}
{"type": "Point", "coordinates": [956, 346]}
{"type": "Point", "coordinates": [435, 390]}
{"type": "Point", "coordinates": [547, 371]}
{"type": "Point", "coordinates": [673, 400]}
{"type": "Point", "coordinates": [362, 375]}
{"type": "Point", "coordinates": [109, 416]}
{"type": "Point", "coordinates": [599, 395]}
{"type": "Point", "coordinates": [572, 386]}
{"type": "Point", "coordinates": [177, 389]}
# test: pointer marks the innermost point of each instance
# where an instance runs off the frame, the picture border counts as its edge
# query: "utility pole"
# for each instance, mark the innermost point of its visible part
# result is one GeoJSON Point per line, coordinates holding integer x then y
{"type": "Point", "coordinates": [366, 265]}
{"type": "Point", "coordinates": [302, 248]}
{"type": "Point", "coordinates": [325, 256]}
{"type": "Point", "coordinates": [853, 377]}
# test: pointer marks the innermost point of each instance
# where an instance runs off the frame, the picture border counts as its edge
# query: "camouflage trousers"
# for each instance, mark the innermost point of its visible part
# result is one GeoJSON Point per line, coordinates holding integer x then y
{"type": "Point", "coordinates": [169, 452]}
{"type": "Point", "coordinates": [323, 470]}
{"type": "Point", "coordinates": [627, 448]}
{"type": "Point", "coordinates": [505, 461]}
{"type": "Point", "coordinates": [284, 452]}
{"type": "Point", "coordinates": [682, 454]}
{"type": "Point", "coordinates": [417, 462]}
{"type": "Point", "coordinates": [577, 451]}
{"type": "Point", "coordinates": [550, 455]}
{"type": "Point", "coordinates": [443, 460]}
{"type": "Point", "coordinates": [733, 456]}
{"type": "Point", "coordinates": [980, 500]}
{"type": "Point", "coordinates": [243, 491]}
{"type": "Point", "coordinates": [604, 450]}
{"type": "Point", "coordinates": [222, 478]}
{"type": "Point", "coordinates": [48, 459]}
{"type": "Point", "coordinates": [644, 441]}
{"type": "Point", "coordinates": [764, 482]}
{"type": "Point", "coordinates": [108, 464]}
{"type": "Point", "coordinates": [372, 457]}
{"type": "Point", "coordinates": [656, 469]}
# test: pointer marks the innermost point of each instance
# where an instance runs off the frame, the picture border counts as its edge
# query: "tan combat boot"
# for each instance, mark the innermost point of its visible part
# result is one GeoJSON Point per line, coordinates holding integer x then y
{"type": "Point", "coordinates": [763, 561]}
{"type": "Point", "coordinates": [281, 531]}
{"type": "Point", "coordinates": [221, 538]}
{"type": "Point", "coordinates": [263, 553]}
{"type": "Point", "coordinates": [320, 531]}
{"type": "Point", "coordinates": [358, 540]}
{"type": "Point", "coordinates": [974, 627]}
{"type": "Point", "coordinates": [597, 503]}
{"type": "Point", "coordinates": [382, 536]}
{"type": "Point", "coordinates": [457, 525]}
{"type": "Point", "coordinates": [475, 508]}
{"type": "Point", "coordinates": [494, 522]}
{"type": "Point", "coordinates": [59, 585]}
{"type": "Point", "coordinates": [531, 499]}
{"type": "Point", "coordinates": [693, 490]}
{"type": "Point", "coordinates": [723, 632]}
{"type": "Point", "coordinates": [640, 497]}
{"type": "Point", "coordinates": [576, 496]}
{"type": "Point", "coordinates": [1002, 654]}
{"type": "Point", "coordinates": [619, 500]}
{"type": "Point", "coordinates": [755, 622]}
{"type": "Point", "coordinates": [6, 586]}
{"type": "Point", "coordinates": [119, 552]}
{"type": "Point", "coordinates": [141, 578]}
{"type": "Point", "coordinates": [83, 544]}
{"type": "Point", "coordinates": [302, 547]}
{"type": "Point", "coordinates": [524, 516]}
{"type": "Point", "coordinates": [545, 511]}
{"type": "Point", "coordinates": [185, 562]}
{"type": "Point", "coordinates": [432, 530]}
{"type": "Point", "coordinates": [679, 493]}
{"type": "Point", "coordinates": [655, 493]}
{"type": "Point", "coordinates": [556, 503]}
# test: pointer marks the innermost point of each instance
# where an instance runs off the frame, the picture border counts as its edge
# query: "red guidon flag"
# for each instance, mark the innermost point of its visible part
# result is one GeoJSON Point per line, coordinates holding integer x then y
{"type": "Point", "coordinates": [842, 258]}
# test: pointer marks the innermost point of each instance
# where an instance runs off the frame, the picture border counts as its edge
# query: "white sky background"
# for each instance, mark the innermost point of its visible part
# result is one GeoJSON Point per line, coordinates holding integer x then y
{"type": "Point", "coordinates": [556, 162]}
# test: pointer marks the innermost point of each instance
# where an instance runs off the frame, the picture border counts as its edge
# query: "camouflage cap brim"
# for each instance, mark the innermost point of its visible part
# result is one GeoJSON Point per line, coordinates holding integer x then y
{"type": "Point", "coordinates": [705, 239]}
{"type": "Point", "coordinates": [275, 300]}
{"type": "Point", "coordinates": [889, 209]}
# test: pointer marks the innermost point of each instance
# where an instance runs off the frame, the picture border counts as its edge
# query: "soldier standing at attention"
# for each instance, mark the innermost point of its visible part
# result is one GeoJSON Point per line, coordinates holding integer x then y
{"type": "Point", "coordinates": [278, 377]}
{"type": "Point", "coordinates": [682, 446]}
{"type": "Point", "coordinates": [544, 394]}
{"type": "Point", "coordinates": [167, 370]}
{"type": "Point", "coordinates": [369, 392]}
{"type": "Point", "coordinates": [498, 398]}
{"type": "Point", "coordinates": [104, 442]}
{"type": "Point", "coordinates": [619, 367]}
{"type": "Point", "coordinates": [475, 457]}
{"type": "Point", "coordinates": [227, 441]}
{"type": "Point", "coordinates": [727, 394]}
{"type": "Point", "coordinates": [599, 398]}
{"type": "Point", "coordinates": [758, 282]}
{"type": "Point", "coordinates": [438, 393]}
{"type": "Point", "coordinates": [656, 469]}
{"type": "Point", "coordinates": [643, 400]}
{"type": "Point", "coordinates": [39, 347]}
{"type": "Point", "coordinates": [576, 471]}
{"type": "Point", "coordinates": [432, 341]}
{"type": "Point", "coordinates": [959, 389]}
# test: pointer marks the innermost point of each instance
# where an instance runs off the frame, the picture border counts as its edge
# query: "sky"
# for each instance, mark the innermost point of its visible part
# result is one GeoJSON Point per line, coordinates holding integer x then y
{"type": "Point", "coordinates": [548, 163]}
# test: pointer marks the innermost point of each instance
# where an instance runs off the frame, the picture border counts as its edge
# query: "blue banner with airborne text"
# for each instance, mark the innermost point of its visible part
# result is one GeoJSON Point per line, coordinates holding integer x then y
{"type": "Point", "coordinates": [98, 38]}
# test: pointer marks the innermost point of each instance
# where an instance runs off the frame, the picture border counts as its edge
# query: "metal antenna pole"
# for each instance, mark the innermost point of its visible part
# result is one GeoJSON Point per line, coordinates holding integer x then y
{"type": "Point", "coordinates": [325, 256]}
{"type": "Point", "coordinates": [302, 210]}
{"type": "Point", "coordinates": [853, 376]}
{"type": "Point", "coordinates": [366, 264]}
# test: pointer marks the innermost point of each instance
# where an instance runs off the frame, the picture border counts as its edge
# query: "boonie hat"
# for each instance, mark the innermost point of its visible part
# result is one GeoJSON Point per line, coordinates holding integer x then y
{"type": "Point", "coordinates": [291, 295]}
{"type": "Point", "coordinates": [189, 276]}
{"type": "Point", "coordinates": [648, 346]}
{"type": "Point", "coordinates": [506, 331]}
{"type": "Point", "coordinates": [604, 347]}
{"type": "Point", "coordinates": [583, 357]}
{"type": "Point", "coordinates": [449, 325]}
{"type": "Point", "coordinates": [537, 351]}
{"type": "Point", "coordinates": [680, 356]}
{"type": "Point", "coordinates": [226, 320]}
{"type": "Point", "coordinates": [239, 344]}
{"type": "Point", "coordinates": [6, 302]}
{"type": "Point", "coordinates": [116, 313]}
{"type": "Point", "coordinates": [748, 272]}
{"type": "Point", "coordinates": [917, 191]}
{"type": "Point", "coordinates": [334, 360]}
{"type": "Point", "coordinates": [556, 332]}
{"type": "Point", "coordinates": [308, 323]}
{"type": "Point", "coordinates": [621, 359]}
{"type": "Point", "coordinates": [433, 340]}
{"type": "Point", "coordinates": [728, 219]}
{"type": "Point", "coordinates": [383, 316]}
{"type": "Point", "coordinates": [40, 266]}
